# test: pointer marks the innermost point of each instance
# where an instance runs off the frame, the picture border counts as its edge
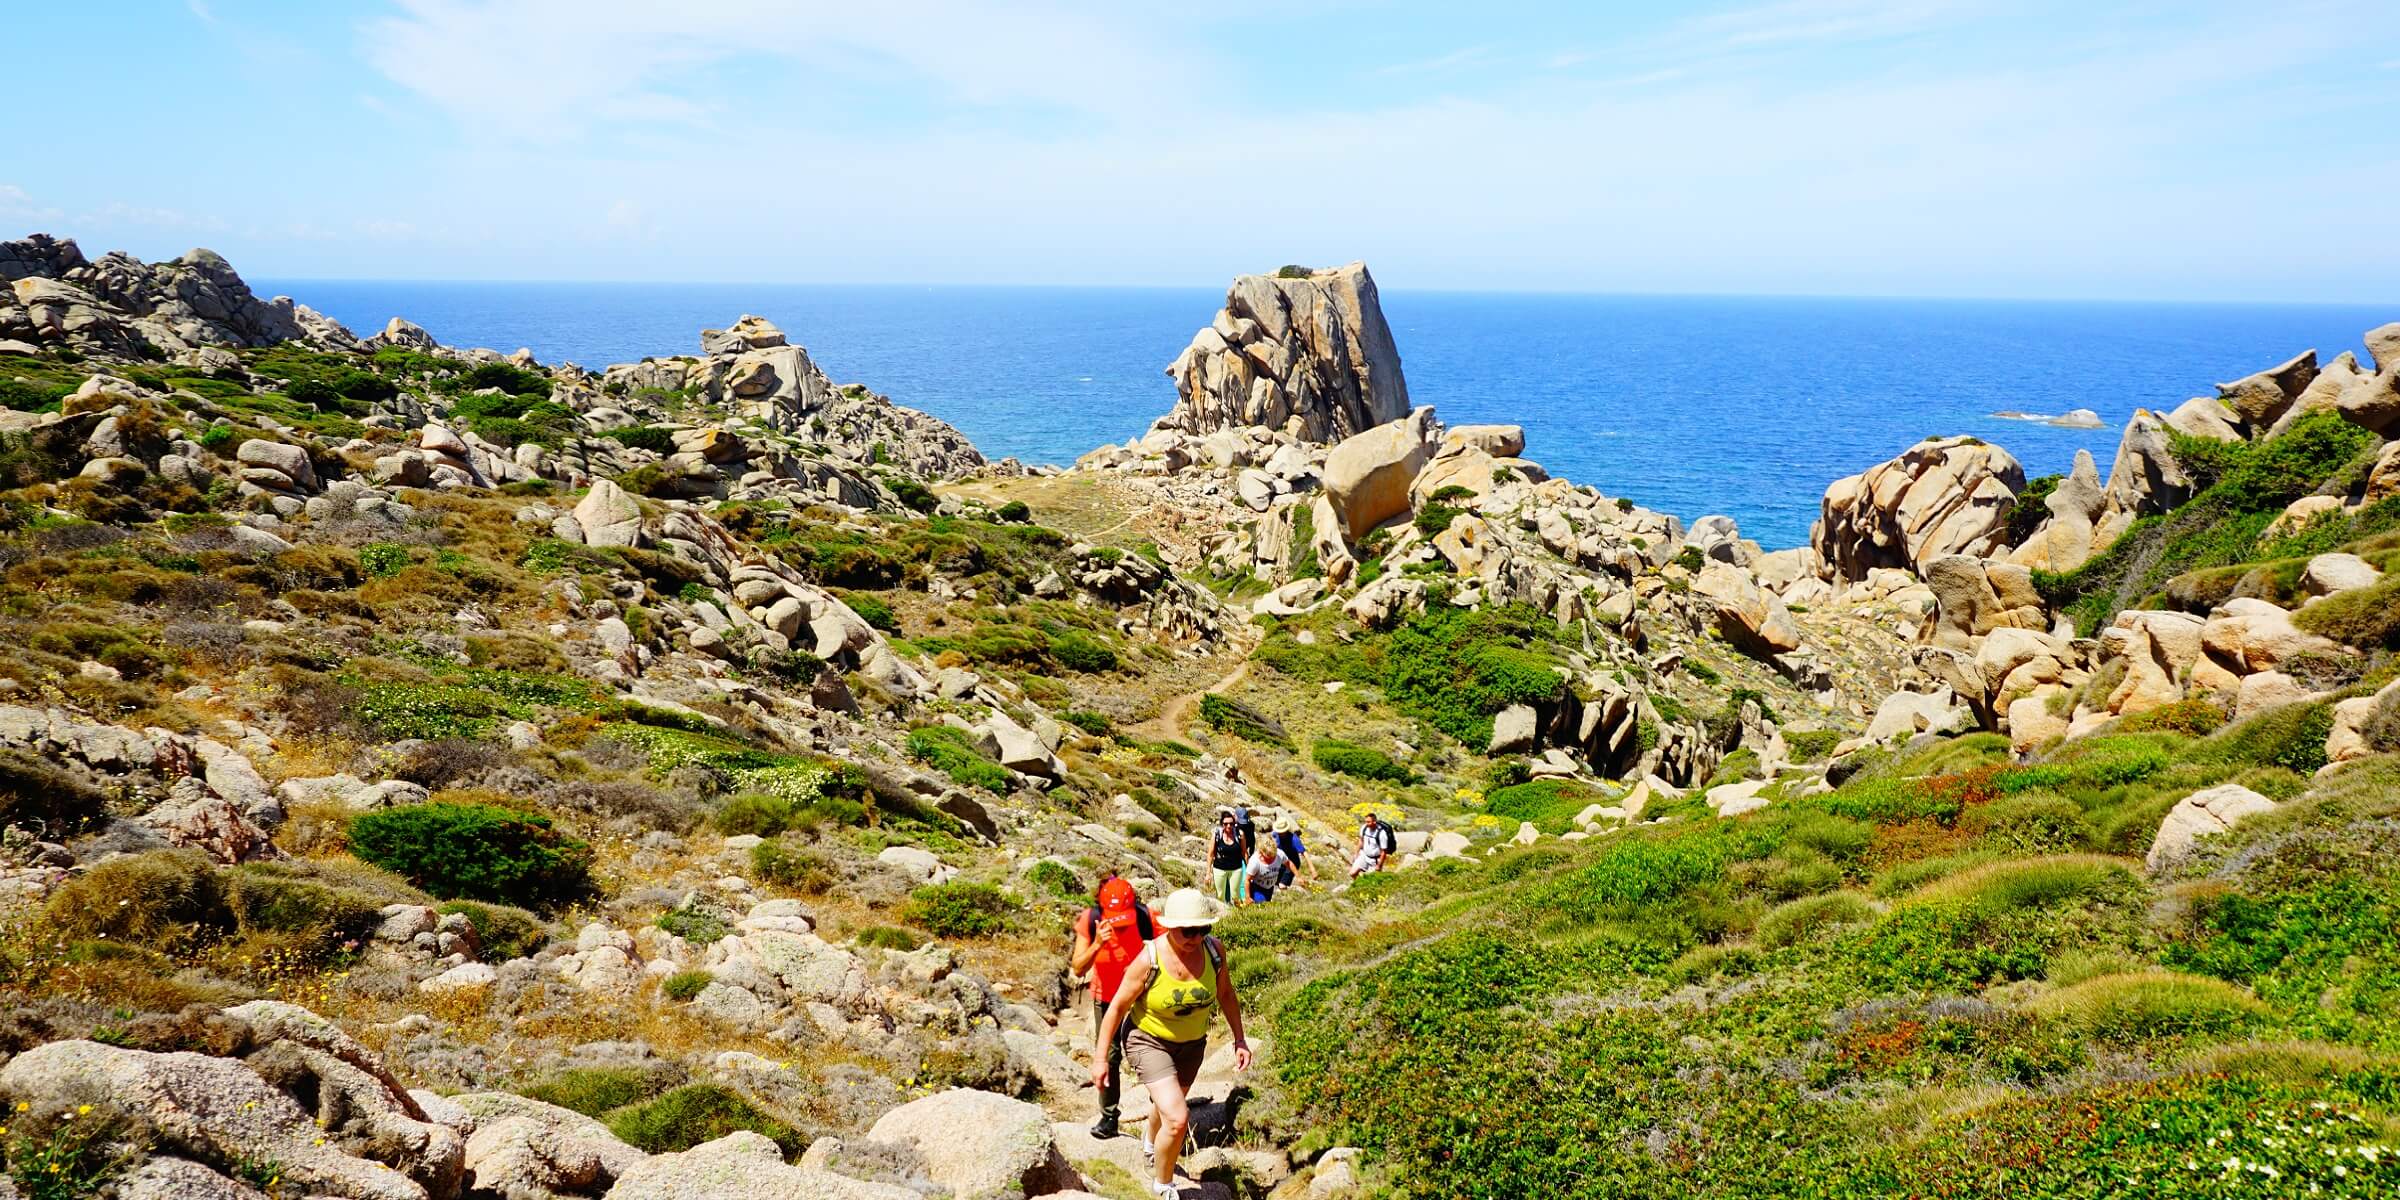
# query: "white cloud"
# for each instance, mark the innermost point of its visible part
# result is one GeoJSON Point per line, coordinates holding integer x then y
{"type": "Point", "coordinates": [17, 205]}
{"type": "Point", "coordinates": [548, 70]}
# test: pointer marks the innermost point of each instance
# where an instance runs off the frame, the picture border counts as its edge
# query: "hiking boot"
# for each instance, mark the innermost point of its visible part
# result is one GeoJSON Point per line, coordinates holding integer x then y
{"type": "Point", "coordinates": [1104, 1128]}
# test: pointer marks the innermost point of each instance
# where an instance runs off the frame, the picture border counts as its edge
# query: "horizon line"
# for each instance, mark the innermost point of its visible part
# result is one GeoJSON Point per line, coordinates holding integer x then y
{"type": "Point", "coordinates": [1595, 293]}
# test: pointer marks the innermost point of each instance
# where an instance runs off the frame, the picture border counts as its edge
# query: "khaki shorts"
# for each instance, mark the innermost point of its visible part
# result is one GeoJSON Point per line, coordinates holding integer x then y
{"type": "Point", "coordinates": [1154, 1058]}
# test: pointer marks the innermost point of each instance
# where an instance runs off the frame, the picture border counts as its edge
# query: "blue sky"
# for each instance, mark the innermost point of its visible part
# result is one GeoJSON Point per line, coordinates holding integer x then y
{"type": "Point", "coordinates": [2195, 150]}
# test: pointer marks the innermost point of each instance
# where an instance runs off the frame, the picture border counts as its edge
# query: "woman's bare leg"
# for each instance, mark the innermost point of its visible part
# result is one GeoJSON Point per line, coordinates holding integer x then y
{"type": "Point", "coordinates": [1169, 1119]}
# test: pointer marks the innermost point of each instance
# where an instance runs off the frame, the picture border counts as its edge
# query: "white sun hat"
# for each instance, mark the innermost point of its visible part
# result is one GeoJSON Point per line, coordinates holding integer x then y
{"type": "Point", "coordinates": [1189, 908]}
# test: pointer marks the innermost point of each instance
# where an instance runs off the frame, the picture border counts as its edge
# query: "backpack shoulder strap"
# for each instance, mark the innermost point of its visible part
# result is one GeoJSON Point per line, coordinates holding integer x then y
{"type": "Point", "coordinates": [1216, 953]}
{"type": "Point", "coordinates": [1142, 922]}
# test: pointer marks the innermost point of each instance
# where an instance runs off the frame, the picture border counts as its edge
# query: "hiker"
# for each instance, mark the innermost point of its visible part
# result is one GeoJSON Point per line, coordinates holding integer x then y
{"type": "Point", "coordinates": [1227, 856]}
{"type": "Point", "coordinates": [1266, 872]}
{"type": "Point", "coordinates": [1249, 828]}
{"type": "Point", "coordinates": [1108, 937]}
{"type": "Point", "coordinates": [1375, 845]}
{"type": "Point", "coordinates": [1295, 855]}
{"type": "Point", "coordinates": [1170, 993]}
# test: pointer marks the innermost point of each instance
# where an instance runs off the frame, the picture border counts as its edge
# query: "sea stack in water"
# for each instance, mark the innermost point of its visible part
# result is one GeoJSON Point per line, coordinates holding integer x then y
{"type": "Point", "coordinates": [1304, 352]}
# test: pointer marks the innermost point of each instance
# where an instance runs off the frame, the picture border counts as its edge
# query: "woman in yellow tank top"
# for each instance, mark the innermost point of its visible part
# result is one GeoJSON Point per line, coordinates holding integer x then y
{"type": "Point", "coordinates": [1178, 985]}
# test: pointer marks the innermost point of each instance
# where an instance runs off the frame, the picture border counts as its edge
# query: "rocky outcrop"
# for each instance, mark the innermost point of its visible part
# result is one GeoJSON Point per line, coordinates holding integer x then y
{"type": "Point", "coordinates": [1367, 476]}
{"type": "Point", "coordinates": [1309, 355]}
{"type": "Point", "coordinates": [980, 1144]}
{"type": "Point", "coordinates": [2201, 814]}
{"type": "Point", "coordinates": [752, 368]}
{"type": "Point", "coordinates": [1943, 496]}
{"type": "Point", "coordinates": [120, 305]}
{"type": "Point", "coordinates": [2067, 538]}
{"type": "Point", "coordinates": [2144, 479]}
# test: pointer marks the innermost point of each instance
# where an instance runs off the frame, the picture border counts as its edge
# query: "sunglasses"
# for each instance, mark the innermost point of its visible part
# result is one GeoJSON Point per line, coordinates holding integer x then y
{"type": "Point", "coordinates": [1196, 931]}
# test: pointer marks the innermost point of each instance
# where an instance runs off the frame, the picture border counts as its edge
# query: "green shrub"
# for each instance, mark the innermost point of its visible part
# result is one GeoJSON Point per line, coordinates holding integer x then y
{"type": "Point", "coordinates": [692, 925]}
{"type": "Point", "coordinates": [2149, 1004]}
{"type": "Point", "coordinates": [2292, 736]}
{"type": "Point", "coordinates": [2196, 717]}
{"type": "Point", "coordinates": [692, 1114]}
{"type": "Point", "coordinates": [475, 852]}
{"type": "Point", "coordinates": [2030, 509]}
{"type": "Point", "coordinates": [2028, 883]}
{"type": "Point", "coordinates": [952, 752]}
{"type": "Point", "coordinates": [765, 816]}
{"type": "Point", "coordinates": [683, 985]}
{"type": "Point", "coordinates": [1015, 512]}
{"type": "Point", "coordinates": [1056, 879]}
{"type": "Point", "coordinates": [803, 871]}
{"type": "Point", "coordinates": [886, 937]}
{"type": "Point", "coordinates": [1095, 724]}
{"type": "Point", "coordinates": [23, 396]}
{"type": "Point", "coordinates": [644, 437]}
{"type": "Point", "coordinates": [39, 796]}
{"type": "Point", "coordinates": [503, 931]}
{"type": "Point", "coordinates": [1551, 804]}
{"type": "Point", "coordinates": [873, 610]}
{"type": "Point", "coordinates": [1081, 652]}
{"type": "Point", "coordinates": [911, 493]}
{"type": "Point", "coordinates": [2031, 823]}
{"type": "Point", "coordinates": [960, 910]}
{"type": "Point", "coordinates": [379, 560]}
{"type": "Point", "coordinates": [516, 381]}
{"type": "Point", "coordinates": [1362, 762]}
{"type": "Point", "coordinates": [593, 1091]}
{"type": "Point", "coordinates": [1801, 920]}
{"type": "Point", "coordinates": [1455, 669]}
{"type": "Point", "coordinates": [1241, 720]}
{"type": "Point", "coordinates": [2367, 617]}
{"type": "Point", "coordinates": [1741, 765]}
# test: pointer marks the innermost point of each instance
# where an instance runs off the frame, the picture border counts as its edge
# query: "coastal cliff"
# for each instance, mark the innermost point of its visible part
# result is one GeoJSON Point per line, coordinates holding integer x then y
{"type": "Point", "coordinates": [427, 772]}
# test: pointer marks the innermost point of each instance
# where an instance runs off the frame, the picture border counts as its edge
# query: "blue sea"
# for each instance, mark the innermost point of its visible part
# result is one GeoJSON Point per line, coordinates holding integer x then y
{"type": "Point", "coordinates": [1746, 406]}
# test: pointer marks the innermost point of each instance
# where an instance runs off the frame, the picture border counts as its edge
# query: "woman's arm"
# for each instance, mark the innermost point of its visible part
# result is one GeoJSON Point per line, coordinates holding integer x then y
{"type": "Point", "coordinates": [1087, 945]}
{"type": "Point", "coordinates": [1136, 981]}
{"type": "Point", "coordinates": [1231, 1005]}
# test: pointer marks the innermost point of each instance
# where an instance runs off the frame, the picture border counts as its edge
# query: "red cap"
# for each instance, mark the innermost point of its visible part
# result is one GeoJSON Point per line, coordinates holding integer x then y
{"type": "Point", "coordinates": [1116, 895]}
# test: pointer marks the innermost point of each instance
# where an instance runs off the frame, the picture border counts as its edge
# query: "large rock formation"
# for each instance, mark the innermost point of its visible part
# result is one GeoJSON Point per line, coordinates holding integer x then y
{"type": "Point", "coordinates": [121, 305]}
{"type": "Point", "coordinates": [1943, 496]}
{"type": "Point", "coordinates": [1368, 476]}
{"type": "Point", "coordinates": [1309, 355]}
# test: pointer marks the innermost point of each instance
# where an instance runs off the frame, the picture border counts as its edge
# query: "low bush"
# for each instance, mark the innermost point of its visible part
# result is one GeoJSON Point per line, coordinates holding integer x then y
{"type": "Point", "coordinates": [1811, 745]}
{"type": "Point", "coordinates": [873, 610]}
{"type": "Point", "coordinates": [593, 1091]}
{"type": "Point", "coordinates": [2367, 617]}
{"type": "Point", "coordinates": [886, 937]}
{"type": "Point", "coordinates": [693, 925]}
{"type": "Point", "coordinates": [683, 985]}
{"type": "Point", "coordinates": [2292, 737]}
{"type": "Point", "coordinates": [692, 1114]}
{"type": "Point", "coordinates": [960, 910]}
{"type": "Point", "coordinates": [1241, 720]}
{"type": "Point", "coordinates": [1361, 762]}
{"type": "Point", "coordinates": [952, 751]}
{"type": "Point", "coordinates": [504, 931]}
{"type": "Point", "coordinates": [765, 816]}
{"type": "Point", "coordinates": [1095, 724]}
{"type": "Point", "coordinates": [1054, 878]}
{"type": "Point", "coordinates": [45, 799]}
{"type": "Point", "coordinates": [1081, 652]}
{"type": "Point", "coordinates": [1455, 668]}
{"type": "Point", "coordinates": [803, 871]}
{"type": "Point", "coordinates": [2148, 1004]}
{"type": "Point", "coordinates": [1015, 512]}
{"type": "Point", "coordinates": [1551, 804]}
{"type": "Point", "coordinates": [2029, 883]}
{"type": "Point", "coordinates": [475, 852]}
{"type": "Point", "coordinates": [1802, 919]}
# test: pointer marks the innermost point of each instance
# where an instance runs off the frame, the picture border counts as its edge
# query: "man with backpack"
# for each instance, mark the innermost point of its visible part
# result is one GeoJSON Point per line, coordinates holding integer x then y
{"type": "Point", "coordinates": [1376, 844]}
{"type": "Point", "coordinates": [1108, 937]}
